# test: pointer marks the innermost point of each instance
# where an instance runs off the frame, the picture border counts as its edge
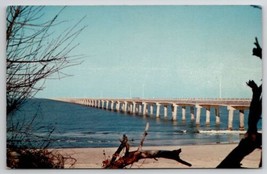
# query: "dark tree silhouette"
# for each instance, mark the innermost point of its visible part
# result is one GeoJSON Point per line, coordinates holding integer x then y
{"type": "Point", "coordinates": [257, 51]}
{"type": "Point", "coordinates": [252, 139]}
{"type": "Point", "coordinates": [33, 52]}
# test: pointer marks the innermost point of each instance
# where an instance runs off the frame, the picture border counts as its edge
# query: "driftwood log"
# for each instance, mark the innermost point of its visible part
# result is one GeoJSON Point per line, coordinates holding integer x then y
{"type": "Point", "coordinates": [135, 156]}
{"type": "Point", "coordinates": [252, 139]}
{"type": "Point", "coordinates": [129, 158]}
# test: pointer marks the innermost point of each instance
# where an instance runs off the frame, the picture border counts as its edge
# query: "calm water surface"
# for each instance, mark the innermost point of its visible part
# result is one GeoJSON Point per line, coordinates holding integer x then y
{"type": "Point", "coordinates": [82, 126]}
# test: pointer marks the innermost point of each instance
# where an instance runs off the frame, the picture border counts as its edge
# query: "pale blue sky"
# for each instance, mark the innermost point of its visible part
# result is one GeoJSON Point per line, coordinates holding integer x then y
{"type": "Point", "coordinates": [161, 52]}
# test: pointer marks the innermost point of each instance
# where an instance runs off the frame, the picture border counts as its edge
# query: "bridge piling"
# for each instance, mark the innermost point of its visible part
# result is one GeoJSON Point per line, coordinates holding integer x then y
{"type": "Point", "coordinates": [217, 115]}
{"type": "Point", "coordinates": [207, 115]}
{"type": "Point", "coordinates": [125, 107]}
{"type": "Point", "coordinates": [103, 103]}
{"type": "Point", "coordinates": [183, 113]}
{"type": "Point", "coordinates": [130, 109]}
{"type": "Point", "coordinates": [192, 113]}
{"type": "Point", "coordinates": [118, 106]}
{"type": "Point", "coordinates": [144, 108]}
{"type": "Point", "coordinates": [112, 105]}
{"type": "Point", "coordinates": [151, 110]}
{"type": "Point", "coordinates": [158, 110]}
{"type": "Point", "coordinates": [99, 104]}
{"type": "Point", "coordinates": [230, 117]}
{"type": "Point", "coordinates": [174, 112]}
{"type": "Point", "coordinates": [165, 111]}
{"type": "Point", "coordinates": [122, 109]}
{"type": "Point", "coordinates": [198, 114]}
{"type": "Point", "coordinates": [140, 109]}
{"type": "Point", "coordinates": [134, 108]}
{"type": "Point", "coordinates": [107, 105]}
{"type": "Point", "coordinates": [241, 120]}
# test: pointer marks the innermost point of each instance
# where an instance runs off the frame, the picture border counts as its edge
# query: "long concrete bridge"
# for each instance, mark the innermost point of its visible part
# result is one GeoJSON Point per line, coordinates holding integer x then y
{"type": "Point", "coordinates": [146, 107]}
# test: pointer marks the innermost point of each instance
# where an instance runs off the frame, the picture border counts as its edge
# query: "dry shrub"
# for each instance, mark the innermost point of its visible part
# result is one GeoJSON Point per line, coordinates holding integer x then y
{"type": "Point", "coordinates": [37, 158]}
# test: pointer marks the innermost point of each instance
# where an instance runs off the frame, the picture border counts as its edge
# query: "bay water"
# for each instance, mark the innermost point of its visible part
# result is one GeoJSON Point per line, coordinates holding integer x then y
{"type": "Point", "coordinates": [73, 126]}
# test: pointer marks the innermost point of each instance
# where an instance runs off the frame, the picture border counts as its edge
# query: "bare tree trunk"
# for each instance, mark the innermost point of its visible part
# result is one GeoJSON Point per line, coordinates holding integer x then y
{"type": "Point", "coordinates": [252, 139]}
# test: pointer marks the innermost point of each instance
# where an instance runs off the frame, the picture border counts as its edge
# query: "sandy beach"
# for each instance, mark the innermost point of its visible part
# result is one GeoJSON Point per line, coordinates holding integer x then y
{"type": "Point", "coordinates": [200, 156]}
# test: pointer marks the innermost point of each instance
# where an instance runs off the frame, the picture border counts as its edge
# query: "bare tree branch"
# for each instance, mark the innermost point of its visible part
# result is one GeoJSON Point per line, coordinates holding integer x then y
{"type": "Point", "coordinates": [34, 52]}
{"type": "Point", "coordinates": [144, 136]}
{"type": "Point", "coordinates": [257, 51]}
{"type": "Point", "coordinates": [252, 139]}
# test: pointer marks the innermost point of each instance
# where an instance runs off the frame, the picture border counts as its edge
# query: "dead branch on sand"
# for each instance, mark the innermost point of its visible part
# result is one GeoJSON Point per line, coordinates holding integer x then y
{"type": "Point", "coordinates": [129, 158]}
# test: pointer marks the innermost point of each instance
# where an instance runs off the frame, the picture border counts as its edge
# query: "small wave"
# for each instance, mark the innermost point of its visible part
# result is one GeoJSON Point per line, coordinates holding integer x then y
{"type": "Point", "coordinates": [68, 134]}
{"type": "Point", "coordinates": [221, 132]}
{"type": "Point", "coordinates": [181, 131]}
{"type": "Point", "coordinates": [98, 141]}
{"type": "Point", "coordinates": [88, 132]}
{"type": "Point", "coordinates": [71, 141]}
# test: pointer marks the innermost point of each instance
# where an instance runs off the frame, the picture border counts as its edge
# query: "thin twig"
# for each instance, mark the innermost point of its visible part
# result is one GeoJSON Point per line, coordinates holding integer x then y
{"type": "Point", "coordinates": [144, 136]}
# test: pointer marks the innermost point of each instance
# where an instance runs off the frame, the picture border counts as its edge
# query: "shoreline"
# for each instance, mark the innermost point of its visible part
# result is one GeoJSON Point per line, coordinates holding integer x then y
{"type": "Point", "coordinates": [200, 156]}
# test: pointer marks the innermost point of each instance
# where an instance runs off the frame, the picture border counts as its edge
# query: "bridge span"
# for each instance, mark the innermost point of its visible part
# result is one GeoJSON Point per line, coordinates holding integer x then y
{"type": "Point", "coordinates": [145, 107]}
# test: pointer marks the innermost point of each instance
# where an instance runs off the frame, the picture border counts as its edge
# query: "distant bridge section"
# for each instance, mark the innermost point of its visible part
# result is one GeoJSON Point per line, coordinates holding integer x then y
{"type": "Point", "coordinates": [145, 107]}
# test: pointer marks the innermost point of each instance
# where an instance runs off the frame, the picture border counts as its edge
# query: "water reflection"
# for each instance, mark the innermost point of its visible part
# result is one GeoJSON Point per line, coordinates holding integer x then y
{"type": "Point", "coordinates": [174, 123]}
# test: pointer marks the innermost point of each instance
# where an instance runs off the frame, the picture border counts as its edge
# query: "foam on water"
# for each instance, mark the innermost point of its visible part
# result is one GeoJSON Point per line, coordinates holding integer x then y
{"type": "Point", "coordinates": [222, 132]}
